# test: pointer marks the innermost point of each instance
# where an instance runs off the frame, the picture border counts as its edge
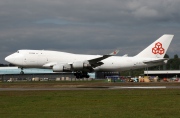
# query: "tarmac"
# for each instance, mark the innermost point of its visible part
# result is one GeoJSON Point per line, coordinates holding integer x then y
{"type": "Point", "coordinates": [60, 86]}
{"type": "Point", "coordinates": [90, 88]}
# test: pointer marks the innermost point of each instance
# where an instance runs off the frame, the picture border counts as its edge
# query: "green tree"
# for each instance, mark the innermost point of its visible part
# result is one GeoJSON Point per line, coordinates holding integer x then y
{"type": "Point", "coordinates": [166, 56]}
{"type": "Point", "coordinates": [173, 63]}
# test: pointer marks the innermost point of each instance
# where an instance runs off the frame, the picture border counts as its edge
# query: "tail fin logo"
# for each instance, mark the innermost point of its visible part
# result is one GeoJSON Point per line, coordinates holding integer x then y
{"type": "Point", "coordinates": [158, 49]}
{"type": "Point", "coordinates": [114, 53]}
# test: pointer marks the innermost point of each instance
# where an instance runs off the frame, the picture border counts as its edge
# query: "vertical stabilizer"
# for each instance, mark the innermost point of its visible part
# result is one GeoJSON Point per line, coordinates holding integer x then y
{"type": "Point", "coordinates": [158, 48]}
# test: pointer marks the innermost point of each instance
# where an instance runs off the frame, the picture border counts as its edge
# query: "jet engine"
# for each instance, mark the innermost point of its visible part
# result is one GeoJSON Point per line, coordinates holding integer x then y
{"type": "Point", "coordinates": [76, 66]}
{"type": "Point", "coordinates": [61, 68]}
{"type": "Point", "coordinates": [80, 65]}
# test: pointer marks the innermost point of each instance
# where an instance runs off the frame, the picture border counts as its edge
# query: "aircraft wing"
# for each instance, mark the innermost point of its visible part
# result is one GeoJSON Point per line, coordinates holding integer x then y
{"type": "Point", "coordinates": [90, 64]}
{"type": "Point", "coordinates": [156, 61]}
{"type": "Point", "coordinates": [97, 61]}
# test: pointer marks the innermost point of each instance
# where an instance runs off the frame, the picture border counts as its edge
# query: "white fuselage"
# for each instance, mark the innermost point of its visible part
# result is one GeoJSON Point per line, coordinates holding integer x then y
{"type": "Point", "coordinates": [41, 58]}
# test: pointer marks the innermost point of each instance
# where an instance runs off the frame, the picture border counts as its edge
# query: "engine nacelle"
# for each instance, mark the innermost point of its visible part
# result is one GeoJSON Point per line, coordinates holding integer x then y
{"type": "Point", "coordinates": [58, 68]}
{"type": "Point", "coordinates": [80, 65]}
{"type": "Point", "coordinates": [61, 68]}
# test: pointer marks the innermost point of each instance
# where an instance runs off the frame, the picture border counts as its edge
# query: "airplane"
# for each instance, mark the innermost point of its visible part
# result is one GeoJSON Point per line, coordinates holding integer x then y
{"type": "Point", "coordinates": [81, 64]}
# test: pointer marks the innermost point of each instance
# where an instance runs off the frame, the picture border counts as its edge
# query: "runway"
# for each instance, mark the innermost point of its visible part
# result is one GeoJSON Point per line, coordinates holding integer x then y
{"type": "Point", "coordinates": [90, 88]}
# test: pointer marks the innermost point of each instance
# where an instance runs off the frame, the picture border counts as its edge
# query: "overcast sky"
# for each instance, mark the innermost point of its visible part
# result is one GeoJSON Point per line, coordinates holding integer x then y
{"type": "Point", "coordinates": [87, 26]}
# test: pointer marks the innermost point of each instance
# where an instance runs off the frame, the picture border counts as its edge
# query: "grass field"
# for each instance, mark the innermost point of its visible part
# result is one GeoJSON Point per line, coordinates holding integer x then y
{"type": "Point", "coordinates": [150, 103]}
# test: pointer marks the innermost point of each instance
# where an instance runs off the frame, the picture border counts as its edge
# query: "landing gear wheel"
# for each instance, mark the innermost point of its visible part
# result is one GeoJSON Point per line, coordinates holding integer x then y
{"type": "Point", "coordinates": [81, 75]}
{"type": "Point", "coordinates": [87, 76]}
{"type": "Point", "coordinates": [22, 72]}
{"type": "Point", "coordinates": [78, 75]}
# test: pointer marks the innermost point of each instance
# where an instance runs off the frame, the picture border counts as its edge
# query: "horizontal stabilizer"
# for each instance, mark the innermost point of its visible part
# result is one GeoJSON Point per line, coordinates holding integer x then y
{"type": "Point", "coordinates": [156, 61]}
{"type": "Point", "coordinates": [126, 55]}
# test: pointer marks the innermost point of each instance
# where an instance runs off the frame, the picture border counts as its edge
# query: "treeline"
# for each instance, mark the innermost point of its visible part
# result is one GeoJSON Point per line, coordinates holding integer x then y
{"type": "Point", "coordinates": [172, 64]}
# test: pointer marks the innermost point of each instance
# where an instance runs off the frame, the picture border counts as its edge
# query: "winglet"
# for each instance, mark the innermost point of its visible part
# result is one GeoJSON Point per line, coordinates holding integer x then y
{"type": "Point", "coordinates": [114, 52]}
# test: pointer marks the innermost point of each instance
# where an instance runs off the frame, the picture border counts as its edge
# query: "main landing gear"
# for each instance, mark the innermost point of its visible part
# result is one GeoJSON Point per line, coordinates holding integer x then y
{"type": "Point", "coordinates": [22, 72]}
{"type": "Point", "coordinates": [81, 75]}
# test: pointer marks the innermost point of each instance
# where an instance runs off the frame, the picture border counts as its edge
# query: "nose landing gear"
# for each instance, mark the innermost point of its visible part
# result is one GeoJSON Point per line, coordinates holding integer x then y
{"type": "Point", "coordinates": [22, 72]}
{"type": "Point", "coordinates": [81, 75]}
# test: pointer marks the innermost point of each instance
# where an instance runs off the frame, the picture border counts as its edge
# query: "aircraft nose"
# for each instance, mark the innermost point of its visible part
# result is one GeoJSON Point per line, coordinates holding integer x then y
{"type": "Point", "coordinates": [9, 59]}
